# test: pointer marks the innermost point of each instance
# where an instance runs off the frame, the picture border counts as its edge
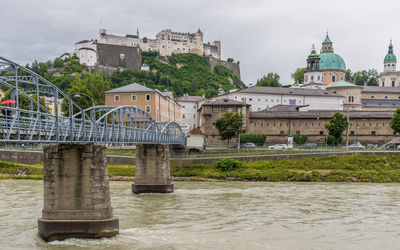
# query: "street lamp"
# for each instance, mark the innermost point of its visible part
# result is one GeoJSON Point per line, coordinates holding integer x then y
{"type": "Point", "coordinates": [78, 95]}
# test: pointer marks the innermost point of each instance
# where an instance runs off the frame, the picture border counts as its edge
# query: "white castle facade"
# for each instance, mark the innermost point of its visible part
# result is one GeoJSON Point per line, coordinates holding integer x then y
{"type": "Point", "coordinates": [167, 42]}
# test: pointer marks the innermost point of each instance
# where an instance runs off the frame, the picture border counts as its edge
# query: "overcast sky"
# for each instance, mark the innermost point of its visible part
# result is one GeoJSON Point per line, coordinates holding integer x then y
{"type": "Point", "coordinates": [265, 36]}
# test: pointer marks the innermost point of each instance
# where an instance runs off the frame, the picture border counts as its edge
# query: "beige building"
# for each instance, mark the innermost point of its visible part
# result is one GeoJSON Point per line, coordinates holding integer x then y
{"type": "Point", "coordinates": [161, 106]}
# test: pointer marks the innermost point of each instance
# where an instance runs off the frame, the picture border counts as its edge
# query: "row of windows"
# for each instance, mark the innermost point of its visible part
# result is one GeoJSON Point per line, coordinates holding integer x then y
{"type": "Point", "coordinates": [193, 107]}
{"type": "Point", "coordinates": [133, 98]}
{"type": "Point", "coordinates": [183, 116]}
{"type": "Point", "coordinates": [393, 83]}
{"type": "Point", "coordinates": [291, 101]}
{"type": "Point", "coordinates": [215, 110]}
{"type": "Point", "coordinates": [386, 97]}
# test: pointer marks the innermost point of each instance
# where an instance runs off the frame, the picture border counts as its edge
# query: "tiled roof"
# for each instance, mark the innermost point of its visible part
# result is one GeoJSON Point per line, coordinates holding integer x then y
{"type": "Point", "coordinates": [320, 114]}
{"type": "Point", "coordinates": [376, 89]}
{"type": "Point", "coordinates": [287, 91]}
{"type": "Point", "coordinates": [190, 98]}
{"type": "Point", "coordinates": [224, 102]}
{"type": "Point", "coordinates": [132, 88]}
{"type": "Point", "coordinates": [380, 103]}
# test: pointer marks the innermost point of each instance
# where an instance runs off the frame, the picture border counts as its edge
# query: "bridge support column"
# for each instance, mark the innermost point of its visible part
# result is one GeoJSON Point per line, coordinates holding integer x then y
{"type": "Point", "coordinates": [152, 169]}
{"type": "Point", "coordinates": [76, 193]}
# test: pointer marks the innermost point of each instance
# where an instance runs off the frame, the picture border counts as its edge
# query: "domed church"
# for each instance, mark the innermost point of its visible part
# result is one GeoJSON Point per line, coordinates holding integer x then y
{"type": "Point", "coordinates": [389, 77]}
{"type": "Point", "coordinates": [326, 67]}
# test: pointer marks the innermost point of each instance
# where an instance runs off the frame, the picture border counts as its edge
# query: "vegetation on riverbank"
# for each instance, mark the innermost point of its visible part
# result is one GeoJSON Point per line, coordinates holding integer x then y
{"type": "Point", "coordinates": [350, 168]}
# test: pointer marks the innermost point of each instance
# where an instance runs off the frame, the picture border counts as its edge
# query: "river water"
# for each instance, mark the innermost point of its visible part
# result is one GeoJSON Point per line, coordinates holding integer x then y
{"type": "Point", "coordinates": [223, 215]}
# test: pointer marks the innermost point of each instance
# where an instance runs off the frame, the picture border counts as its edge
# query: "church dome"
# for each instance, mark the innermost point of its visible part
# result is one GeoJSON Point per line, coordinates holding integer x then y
{"type": "Point", "coordinates": [331, 61]}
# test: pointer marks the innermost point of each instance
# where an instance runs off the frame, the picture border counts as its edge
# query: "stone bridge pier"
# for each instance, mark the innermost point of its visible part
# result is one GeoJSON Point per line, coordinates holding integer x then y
{"type": "Point", "coordinates": [76, 193]}
{"type": "Point", "coordinates": [152, 169]}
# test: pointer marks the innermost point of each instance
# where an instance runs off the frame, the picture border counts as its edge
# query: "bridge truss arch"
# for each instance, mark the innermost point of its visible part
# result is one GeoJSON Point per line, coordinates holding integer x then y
{"type": "Point", "coordinates": [28, 120]}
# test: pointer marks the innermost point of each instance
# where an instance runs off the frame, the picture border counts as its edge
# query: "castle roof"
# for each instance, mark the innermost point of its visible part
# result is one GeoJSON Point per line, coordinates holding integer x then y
{"type": "Point", "coordinates": [224, 102]}
{"type": "Point", "coordinates": [327, 39]}
{"type": "Point", "coordinates": [379, 103]}
{"type": "Point", "coordinates": [190, 98]}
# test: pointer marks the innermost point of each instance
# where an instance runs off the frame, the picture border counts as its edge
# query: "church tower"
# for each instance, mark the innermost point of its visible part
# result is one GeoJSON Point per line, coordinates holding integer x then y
{"type": "Point", "coordinates": [327, 45]}
{"type": "Point", "coordinates": [389, 63]}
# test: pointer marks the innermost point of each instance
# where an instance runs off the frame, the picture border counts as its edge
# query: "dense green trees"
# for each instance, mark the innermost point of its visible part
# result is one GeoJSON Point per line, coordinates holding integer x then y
{"type": "Point", "coordinates": [298, 75]}
{"type": "Point", "coordinates": [369, 77]}
{"type": "Point", "coordinates": [182, 73]}
{"type": "Point", "coordinates": [395, 123]}
{"type": "Point", "coordinates": [92, 84]}
{"type": "Point", "coordinates": [271, 80]}
{"type": "Point", "coordinates": [229, 126]}
{"type": "Point", "coordinates": [335, 128]}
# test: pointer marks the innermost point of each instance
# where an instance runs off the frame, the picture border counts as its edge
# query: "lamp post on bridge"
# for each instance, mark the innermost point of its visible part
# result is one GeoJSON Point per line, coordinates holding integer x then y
{"type": "Point", "coordinates": [78, 95]}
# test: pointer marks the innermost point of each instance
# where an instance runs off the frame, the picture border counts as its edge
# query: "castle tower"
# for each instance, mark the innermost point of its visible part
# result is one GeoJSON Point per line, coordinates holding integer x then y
{"type": "Point", "coordinates": [327, 45]}
{"type": "Point", "coordinates": [389, 63]}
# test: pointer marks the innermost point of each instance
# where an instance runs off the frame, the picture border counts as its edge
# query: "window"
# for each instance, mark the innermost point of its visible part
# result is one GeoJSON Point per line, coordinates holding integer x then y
{"type": "Point", "coordinates": [321, 132]}
{"type": "Point", "coordinates": [267, 100]}
{"type": "Point", "coordinates": [351, 98]}
{"type": "Point", "coordinates": [183, 116]}
{"type": "Point", "coordinates": [373, 133]}
{"type": "Point", "coordinates": [259, 99]}
{"type": "Point", "coordinates": [386, 97]}
{"type": "Point", "coordinates": [319, 78]}
{"type": "Point", "coordinates": [297, 132]}
{"type": "Point", "coordinates": [351, 132]}
{"type": "Point", "coordinates": [148, 108]}
{"type": "Point", "coordinates": [215, 110]}
{"type": "Point", "coordinates": [372, 97]}
{"type": "Point", "coordinates": [392, 83]}
{"type": "Point", "coordinates": [258, 109]}
{"type": "Point", "coordinates": [194, 116]}
{"type": "Point", "coordinates": [292, 101]}
{"type": "Point", "coordinates": [230, 109]}
{"type": "Point", "coordinates": [235, 97]}
{"type": "Point", "coordinates": [116, 98]}
{"type": "Point", "coordinates": [333, 78]}
{"type": "Point", "coordinates": [133, 98]}
{"type": "Point", "coordinates": [194, 107]}
{"type": "Point", "coordinates": [312, 78]}
{"type": "Point", "coordinates": [147, 97]}
{"type": "Point", "coordinates": [281, 132]}
{"type": "Point", "coordinates": [250, 99]}
{"type": "Point", "coordinates": [183, 106]}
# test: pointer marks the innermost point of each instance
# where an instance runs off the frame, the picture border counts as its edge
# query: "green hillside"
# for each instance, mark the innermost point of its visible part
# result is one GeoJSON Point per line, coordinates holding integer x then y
{"type": "Point", "coordinates": [181, 73]}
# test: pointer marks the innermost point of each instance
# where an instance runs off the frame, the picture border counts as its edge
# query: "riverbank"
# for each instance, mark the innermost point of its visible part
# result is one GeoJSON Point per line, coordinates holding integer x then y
{"type": "Point", "coordinates": [349, 168]}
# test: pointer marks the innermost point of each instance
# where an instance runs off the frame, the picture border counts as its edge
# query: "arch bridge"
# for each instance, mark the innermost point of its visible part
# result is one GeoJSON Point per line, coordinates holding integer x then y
{"type": "Point", "coordinates": [76, 191]}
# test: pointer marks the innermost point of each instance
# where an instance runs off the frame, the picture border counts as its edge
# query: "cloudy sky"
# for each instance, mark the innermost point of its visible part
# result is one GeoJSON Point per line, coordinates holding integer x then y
{"type": "Point", "coordinates": [265, 36]}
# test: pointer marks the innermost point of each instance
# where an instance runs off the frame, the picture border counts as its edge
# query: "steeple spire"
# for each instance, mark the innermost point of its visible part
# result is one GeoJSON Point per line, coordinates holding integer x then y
{"type": "Point", "coordinates": [327, 44]}
{"type": "Point", "coordinates": [137, 31]}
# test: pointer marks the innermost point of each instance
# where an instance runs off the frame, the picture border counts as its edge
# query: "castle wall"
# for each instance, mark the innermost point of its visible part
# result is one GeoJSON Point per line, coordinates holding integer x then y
{"type": "Point", "coordinates": [179, 43]}
{"type": "Point", "coordinates": [119, 56]}
{"type": "Point", "coordinates": [235, 67]}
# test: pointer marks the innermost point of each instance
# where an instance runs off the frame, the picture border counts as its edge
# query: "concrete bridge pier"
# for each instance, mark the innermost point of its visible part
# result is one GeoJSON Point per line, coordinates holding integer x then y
{"type": "Point", "coordinates": [76, 193]}
{"type": "Point", "coordinates": [152, 169]}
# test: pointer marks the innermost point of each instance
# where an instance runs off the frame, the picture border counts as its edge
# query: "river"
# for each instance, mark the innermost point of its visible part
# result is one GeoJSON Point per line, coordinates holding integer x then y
{"type": "Point", "coordinates": [223, 215]}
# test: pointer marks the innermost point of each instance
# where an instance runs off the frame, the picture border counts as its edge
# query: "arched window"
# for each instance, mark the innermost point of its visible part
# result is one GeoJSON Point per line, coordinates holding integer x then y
{"type": "Point", "coordinates": [333, 78]}
{"type": "Point", "coordinates": [392, 83]}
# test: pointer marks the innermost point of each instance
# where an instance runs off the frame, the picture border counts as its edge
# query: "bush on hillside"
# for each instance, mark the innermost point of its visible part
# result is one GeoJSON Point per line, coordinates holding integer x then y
{"type": "Point", "coordinates": [228, 164]}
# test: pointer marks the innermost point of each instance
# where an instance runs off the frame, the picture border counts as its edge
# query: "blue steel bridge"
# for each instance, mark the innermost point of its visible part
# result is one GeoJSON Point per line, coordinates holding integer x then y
{"type": "Point", "coordinates": [28, 121]}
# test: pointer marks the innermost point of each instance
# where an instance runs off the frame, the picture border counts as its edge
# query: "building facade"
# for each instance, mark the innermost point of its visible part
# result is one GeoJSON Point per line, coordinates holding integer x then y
{"type": "Point", "coordinates": [326, 67]}
{"type": "Point", "coordinates": [159, 105]}
{"type": "Point", "coordinates": [261, 98]}
{"type": "Point", "coordinates": [190, 106]}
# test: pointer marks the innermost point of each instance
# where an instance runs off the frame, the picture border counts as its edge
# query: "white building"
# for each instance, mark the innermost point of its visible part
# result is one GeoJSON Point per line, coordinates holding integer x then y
{"type": "Point", "coordinates": [189, 108]}
{"type": "Point", "coordinates": [261, 98]}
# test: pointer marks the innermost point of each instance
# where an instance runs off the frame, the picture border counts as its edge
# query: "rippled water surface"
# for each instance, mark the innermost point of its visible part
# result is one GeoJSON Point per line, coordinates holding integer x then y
{"type": "Point", "coordinates": [223, 215]}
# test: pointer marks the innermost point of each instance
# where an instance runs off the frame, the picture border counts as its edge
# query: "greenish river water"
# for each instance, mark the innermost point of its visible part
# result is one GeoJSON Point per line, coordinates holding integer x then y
{"type": "Point", "coordinates": [223, 215]}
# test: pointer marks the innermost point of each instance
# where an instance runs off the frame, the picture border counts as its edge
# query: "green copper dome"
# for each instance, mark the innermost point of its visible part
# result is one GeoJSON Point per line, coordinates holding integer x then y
{"type": "Point", "coordinates": [331, 60]}
{"type": "Point", "coordinates": [313, 54]}
{"type": "Point", "coordinates": [390, 57]}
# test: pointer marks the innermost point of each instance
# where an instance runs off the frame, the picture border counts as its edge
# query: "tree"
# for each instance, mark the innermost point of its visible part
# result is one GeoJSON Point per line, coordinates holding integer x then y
{"type": "Point", "coordinates": [298, 75]}
{"type": "Point", "coordinates": [92, 84]}
{"type": "Point", "coordinates": [58, 63]}
{"type": "Point", "coordinates": [336, 126]}
{"type": "Point", "coordinates": [229, 126]}
{"type": "Point", "coordinates": [368, 77]}
{"type": "Point", "coordinates": [300, 139]}
{"type": "Point", "coordinates": [395, 123]}
{"type": "Point", "coordinates": [271, 80]}
{"type": "Point", "coordinates": [230, 60]}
